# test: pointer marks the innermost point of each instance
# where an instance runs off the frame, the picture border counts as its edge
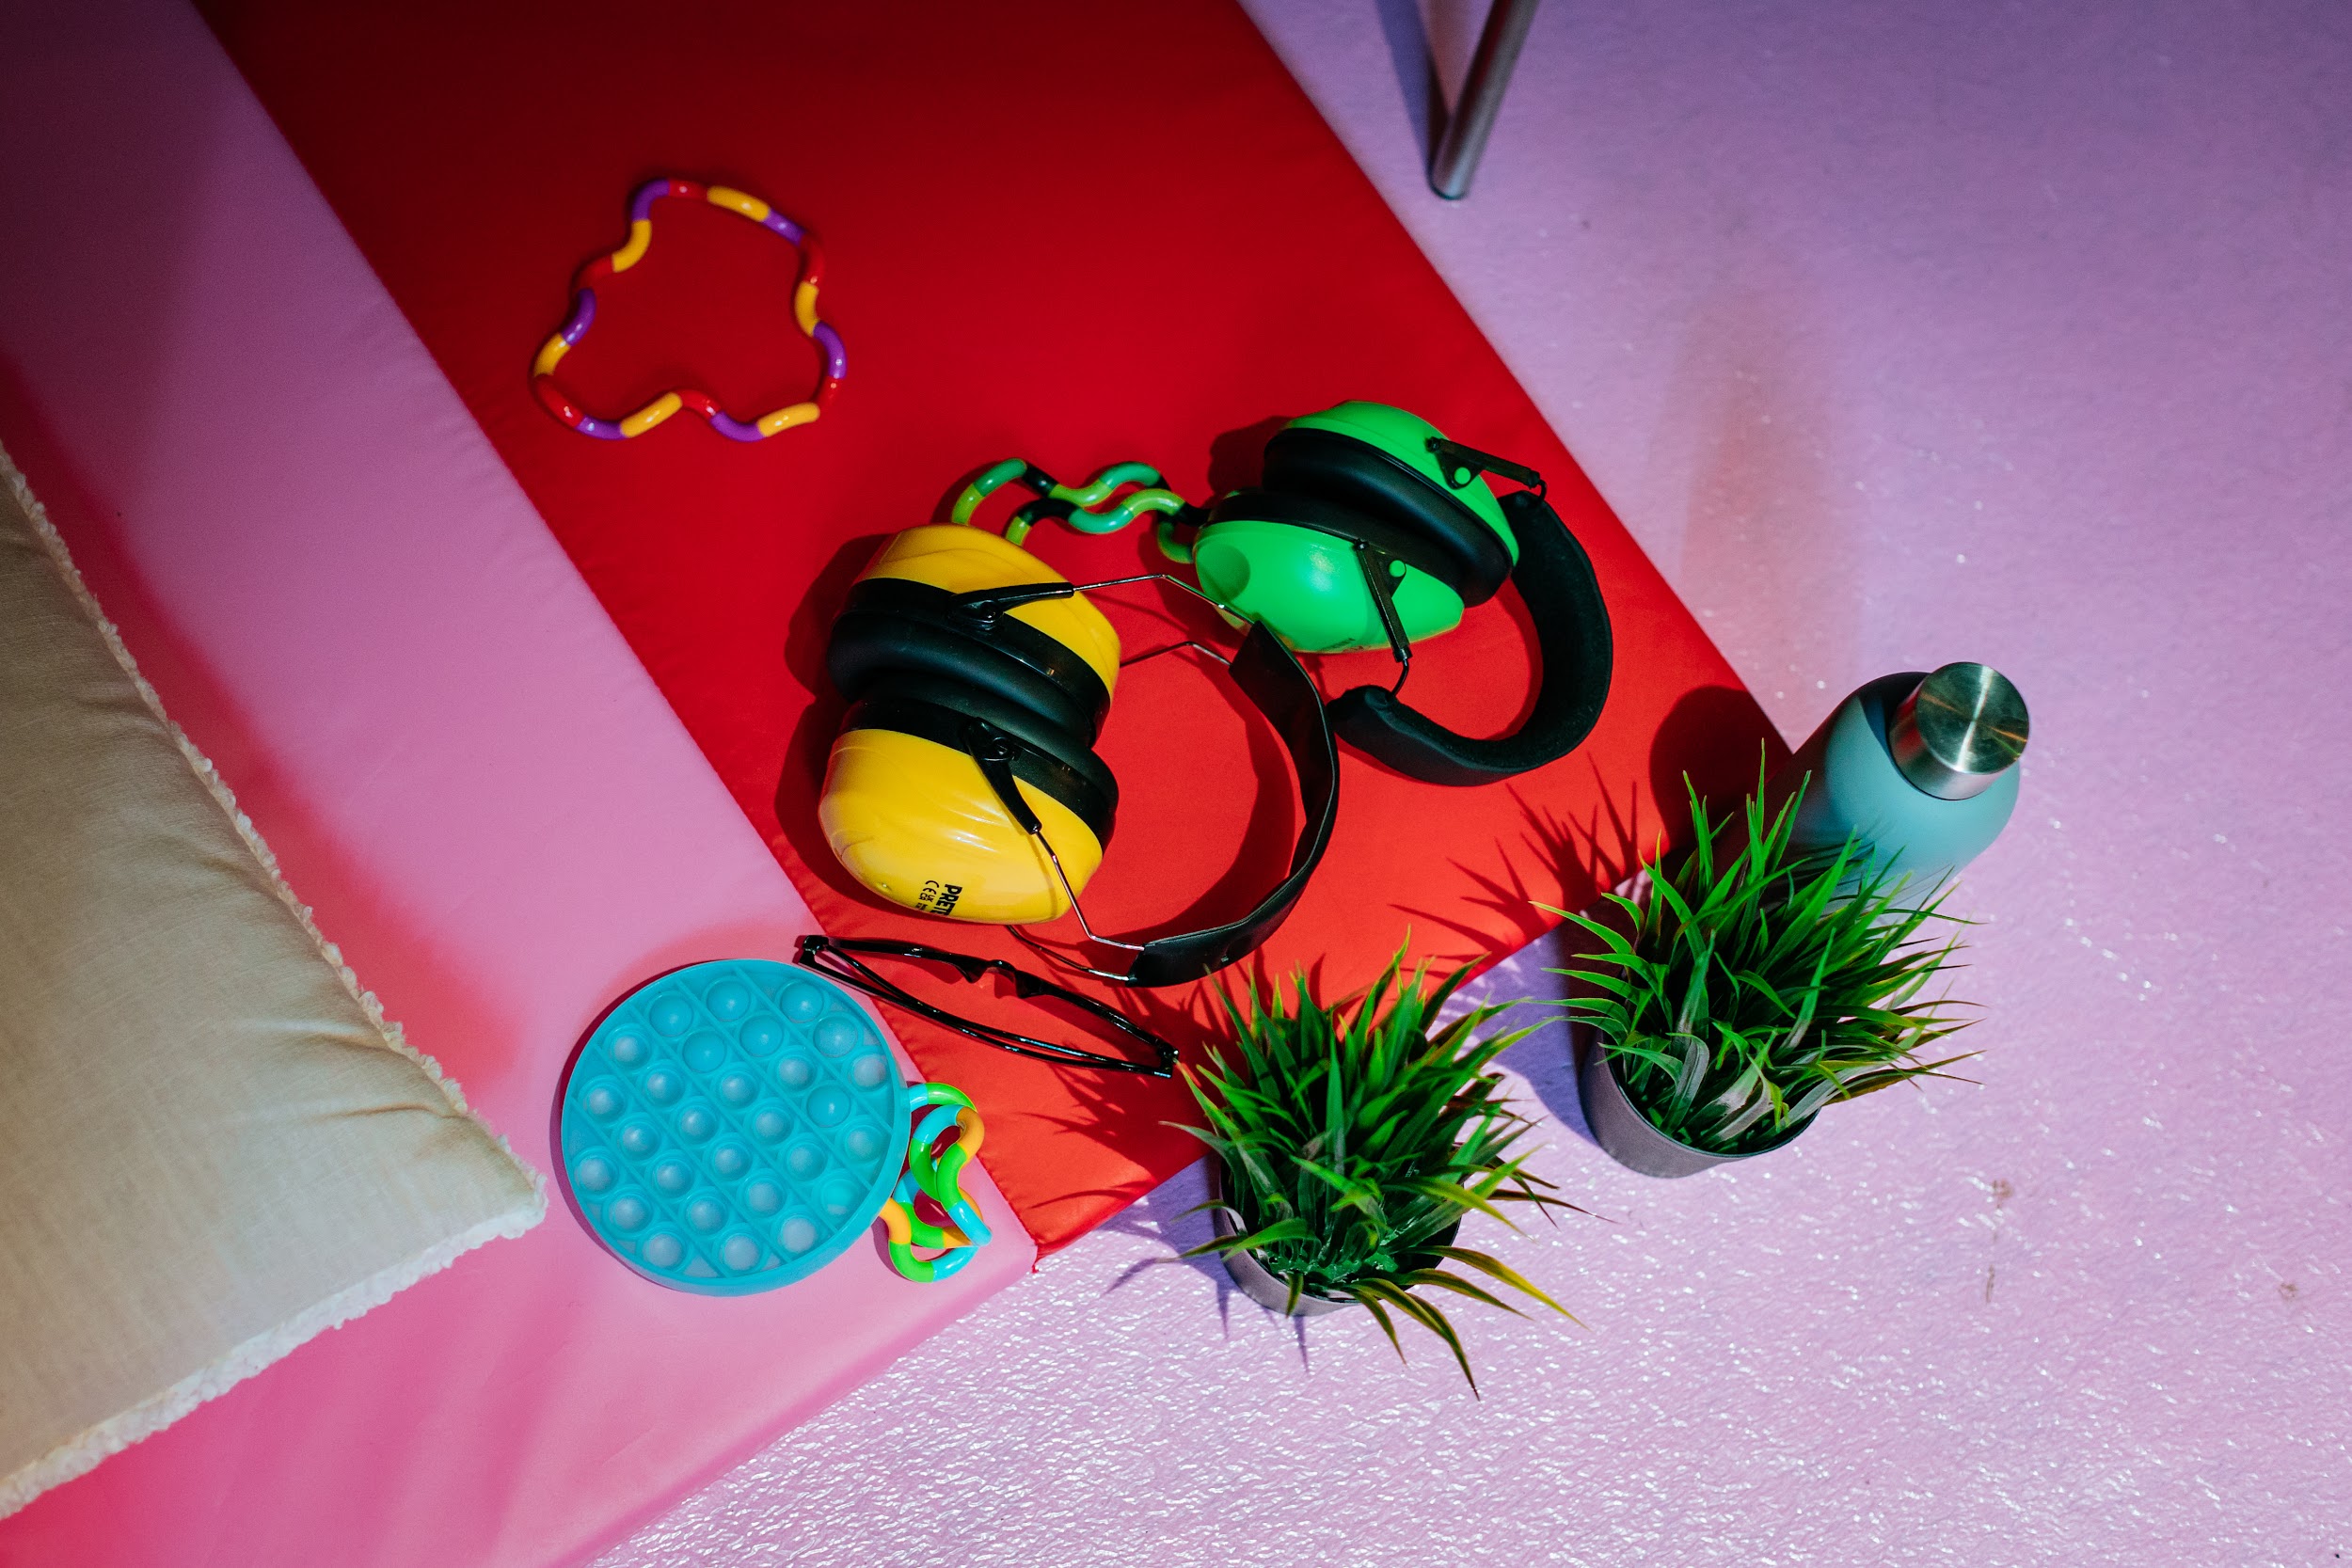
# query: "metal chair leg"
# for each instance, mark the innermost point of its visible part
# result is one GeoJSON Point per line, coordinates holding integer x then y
{"type": "Point", "coordinates": [1454, 161]}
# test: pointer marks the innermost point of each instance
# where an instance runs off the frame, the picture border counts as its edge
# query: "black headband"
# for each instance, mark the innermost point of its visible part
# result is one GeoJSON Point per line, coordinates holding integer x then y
{"type": "Point", "coordinates": [1562, 596]}
{"type": "Point", "coordinates": [1269, 675]}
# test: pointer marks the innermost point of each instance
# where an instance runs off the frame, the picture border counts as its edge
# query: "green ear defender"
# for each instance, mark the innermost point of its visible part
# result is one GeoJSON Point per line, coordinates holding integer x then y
{"type": "Point", "coordinates": [1370, 528]}
{"type": "Point", "coordinates": [1353, 495]}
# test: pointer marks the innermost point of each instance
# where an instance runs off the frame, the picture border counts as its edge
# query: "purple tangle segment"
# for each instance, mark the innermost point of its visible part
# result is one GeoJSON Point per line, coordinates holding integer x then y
{"type": "Point", "coordinates": [830, 342]}
{"type": "Point", "coordinates": [734, 429]}
{"type": "Point", "coordinates": [777, 223]}
{"type": "Point", "coordinates": [584, 316]}
{"type": "Point", "coordinates": [641, 204]}
{"type": "Point", "coordinates": [603, 430]}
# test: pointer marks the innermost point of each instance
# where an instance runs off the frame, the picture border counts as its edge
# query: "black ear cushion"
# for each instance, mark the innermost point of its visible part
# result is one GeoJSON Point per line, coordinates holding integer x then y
{"type": "Point", "coordinates": [1563, 598]}
{"type": "Point", "coordinates": [1045, 756]}
{"type": "Point", "coordinates": [1362, 478]}
{"type": "Point", "coordinates": [892, 626]}
{"type": "Point", "coordinates": [1411, 546]}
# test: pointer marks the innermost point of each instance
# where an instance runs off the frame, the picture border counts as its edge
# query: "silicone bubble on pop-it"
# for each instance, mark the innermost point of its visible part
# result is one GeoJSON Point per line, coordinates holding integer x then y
{"type": "Point", "coordinates": [722, 1146]}
{"type": "Point", "coordinates": [862, 1144]}
{"type": "Point", "coordinates": [836, 1034]}
{"type": "Point", "coordinates": [801, 999]}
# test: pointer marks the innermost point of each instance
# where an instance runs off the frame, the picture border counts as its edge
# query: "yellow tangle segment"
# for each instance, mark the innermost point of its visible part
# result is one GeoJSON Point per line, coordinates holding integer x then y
{"type": "Point", "coordinates": [652, 414]}
{"type": "Point", "coordinates": [785, 418]}
{"type": "Point", "coordinates": [901, 1226]}
{"type": "Point", "coordinates": [969, 1122]}
{"type": "Point", "coordinates": [640, 236]}
{"type": "Point", "coordinates": [550, 351]}
{"type": "Point", "coordinates": [736, 201]}
{"type": "Point", "coordinates": [804, 308]}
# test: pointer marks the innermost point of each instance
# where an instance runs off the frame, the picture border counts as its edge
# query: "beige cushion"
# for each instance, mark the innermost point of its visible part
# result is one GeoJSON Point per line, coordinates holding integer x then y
{"type": "Point", "coordinates": [212, 1145]}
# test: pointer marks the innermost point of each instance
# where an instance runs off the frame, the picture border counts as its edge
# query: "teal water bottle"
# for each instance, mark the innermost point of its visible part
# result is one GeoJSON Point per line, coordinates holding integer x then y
{"type": "Point", "coordinates": [1923, 767]}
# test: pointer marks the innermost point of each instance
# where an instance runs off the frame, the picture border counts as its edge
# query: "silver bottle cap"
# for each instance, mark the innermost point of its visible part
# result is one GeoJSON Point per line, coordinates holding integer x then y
{"type": "Point", "coordinates": [1961, 728]}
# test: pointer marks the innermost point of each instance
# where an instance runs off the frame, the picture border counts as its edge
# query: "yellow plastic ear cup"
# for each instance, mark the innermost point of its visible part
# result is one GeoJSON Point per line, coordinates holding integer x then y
{"type": "Point", "coordinates": [961, 558]}
{"type": "Point", "coordinates": [917, 823]}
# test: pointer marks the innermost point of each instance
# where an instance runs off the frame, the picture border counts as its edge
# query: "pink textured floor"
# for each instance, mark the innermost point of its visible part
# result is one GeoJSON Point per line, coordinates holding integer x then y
{"type": "Point", "coordinates": [1899, 334]}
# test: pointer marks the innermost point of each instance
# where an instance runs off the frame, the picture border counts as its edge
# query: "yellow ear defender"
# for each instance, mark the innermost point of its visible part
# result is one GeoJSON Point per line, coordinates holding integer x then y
{"type": "Point", "coordinates": [947, 685]}
{"type": "Point", "coordinates": [964, 781]}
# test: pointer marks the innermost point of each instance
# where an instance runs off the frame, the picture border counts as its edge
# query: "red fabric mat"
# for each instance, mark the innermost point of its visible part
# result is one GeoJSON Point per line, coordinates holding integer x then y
{"type": "Point", "coordinates": [1071, 232]}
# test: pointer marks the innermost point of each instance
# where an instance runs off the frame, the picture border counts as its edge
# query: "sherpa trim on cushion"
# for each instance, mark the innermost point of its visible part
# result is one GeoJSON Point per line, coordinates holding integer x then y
{"type": "Point", "coordinates": [213, 1146]}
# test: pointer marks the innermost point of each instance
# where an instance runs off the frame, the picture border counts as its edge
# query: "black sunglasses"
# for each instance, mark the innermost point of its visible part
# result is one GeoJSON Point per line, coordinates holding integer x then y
{"type": "Point", "coordinates": [840, 962]}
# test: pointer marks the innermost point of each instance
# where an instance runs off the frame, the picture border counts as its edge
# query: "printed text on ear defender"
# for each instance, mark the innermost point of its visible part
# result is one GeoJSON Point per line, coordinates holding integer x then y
{"type": "Point", "coordinates": [938, 897]}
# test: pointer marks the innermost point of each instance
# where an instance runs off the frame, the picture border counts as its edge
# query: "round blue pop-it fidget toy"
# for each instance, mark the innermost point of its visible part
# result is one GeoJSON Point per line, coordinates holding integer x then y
{"type": "Point", "coordinates": [734, 1126]}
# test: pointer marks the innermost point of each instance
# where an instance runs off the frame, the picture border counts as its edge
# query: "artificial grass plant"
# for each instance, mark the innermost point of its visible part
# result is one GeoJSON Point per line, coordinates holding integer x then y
{"type": "Point", "coordinates": [1753, 982]}
{"type": "Point", "coordinates": [1354, 1139]}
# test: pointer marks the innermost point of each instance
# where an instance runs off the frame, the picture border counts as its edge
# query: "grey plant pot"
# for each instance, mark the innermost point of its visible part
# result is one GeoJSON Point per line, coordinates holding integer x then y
{"type": "Point", "coordinates": [1626, 1134]}
{"type": "Point", "coordinates": [1261, 1284]}
{"type": "Point", "coordinates": [1252, 1278]}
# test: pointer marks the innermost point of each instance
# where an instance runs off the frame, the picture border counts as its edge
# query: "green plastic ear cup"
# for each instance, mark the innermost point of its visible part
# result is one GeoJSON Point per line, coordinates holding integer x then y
{"type": "Point", "coordinates": [1307, 588]}
{"type": "Point", "coordinates": [1407, 438]}
{"type": "Point", "coordinates": [1285, 556]}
